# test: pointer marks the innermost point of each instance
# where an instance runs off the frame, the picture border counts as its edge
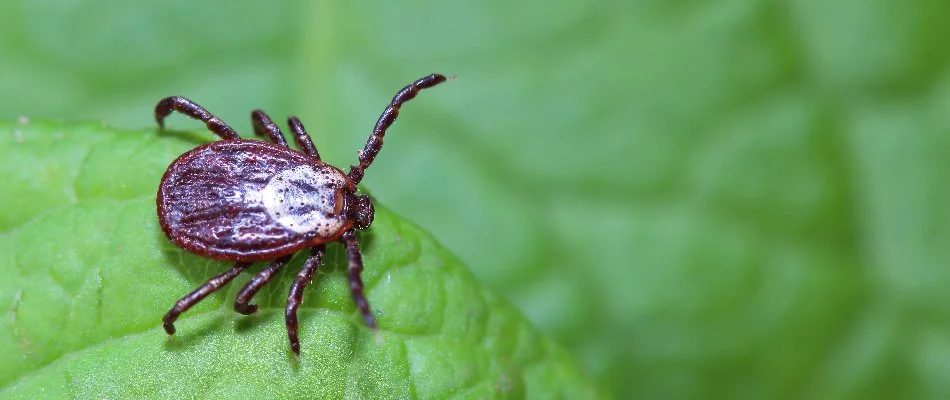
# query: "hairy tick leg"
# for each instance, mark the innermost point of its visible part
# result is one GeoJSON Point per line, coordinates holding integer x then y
{"type": "Point", "coordinates": [263, 126]}
{"type": "Point", "coordinates": [177, 103]}
{"type": "Point", "coordinates": [356, 281]}
{"type": "Point", "coordinates": [213, 284]}
{"type": "Point", "coordinates": [295, 296]}
{"type": "Point", "coordinates": [303, 138]}
{"type": "Point", "coordinates": [375, 141]}
{"type": "Point", "coordinates": [245, 295]}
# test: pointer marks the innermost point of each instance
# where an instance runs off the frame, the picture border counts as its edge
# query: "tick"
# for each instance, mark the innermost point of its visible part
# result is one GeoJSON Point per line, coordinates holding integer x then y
{"type": "Point", "coordinates": [247, 201]}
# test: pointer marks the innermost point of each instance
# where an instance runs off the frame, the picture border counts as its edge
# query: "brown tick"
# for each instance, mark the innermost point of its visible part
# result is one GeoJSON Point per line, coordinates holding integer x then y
{"type": "Point", "coordinates": [247, 200]}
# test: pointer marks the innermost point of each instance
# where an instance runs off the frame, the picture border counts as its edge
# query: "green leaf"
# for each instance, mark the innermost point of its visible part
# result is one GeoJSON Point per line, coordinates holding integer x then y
{"type": "Point", "coordinates": [700, 199]}
{"type": "Point", "coordinates": [87, 274]}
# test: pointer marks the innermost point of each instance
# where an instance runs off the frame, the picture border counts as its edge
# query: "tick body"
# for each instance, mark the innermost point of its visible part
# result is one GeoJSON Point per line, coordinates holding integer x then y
{"type": "Point", "coordinates": [248, 201]}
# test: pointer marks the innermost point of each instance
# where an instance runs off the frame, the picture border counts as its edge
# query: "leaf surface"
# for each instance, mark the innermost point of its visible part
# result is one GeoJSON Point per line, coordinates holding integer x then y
{"type": "Point", "coordinates": [700, 199]}
{"type": "Point", "coordinates": [87, 275]}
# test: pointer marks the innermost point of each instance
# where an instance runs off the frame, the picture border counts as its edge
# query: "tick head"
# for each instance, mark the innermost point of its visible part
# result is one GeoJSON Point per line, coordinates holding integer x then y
{"type": "Point", "coordinates": [359, 209]}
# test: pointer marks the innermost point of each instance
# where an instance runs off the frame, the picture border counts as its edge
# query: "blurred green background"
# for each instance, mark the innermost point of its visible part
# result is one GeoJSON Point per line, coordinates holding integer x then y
{"type": "Point", "coordinates": [701, 199]}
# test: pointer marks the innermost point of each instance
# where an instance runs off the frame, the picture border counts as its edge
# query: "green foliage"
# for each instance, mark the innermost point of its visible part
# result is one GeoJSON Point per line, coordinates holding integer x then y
{"type": "Point", "coordinates": [700, 199]}
{"type": "Point", "coordinates": [87, 275]}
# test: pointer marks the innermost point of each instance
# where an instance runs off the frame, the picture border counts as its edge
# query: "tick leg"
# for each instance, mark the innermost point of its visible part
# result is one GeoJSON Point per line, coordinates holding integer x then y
{"type": "Point", "coordinates": [199, 294]}
{"type": "Point", "coordinates": [259, 280]}
{"type": "Point", "coordinates": [296, 294]}
{"type": "Point", "coordinates": [302, 138]}
{"type": "Point", "coordinates": [177, 103]}
{"type": "Point", "coordinates": [263, 126]}
{"type": "Point", "coordinates": [389, 115]}
{"type": "Point", "coordinates": [356, 282]}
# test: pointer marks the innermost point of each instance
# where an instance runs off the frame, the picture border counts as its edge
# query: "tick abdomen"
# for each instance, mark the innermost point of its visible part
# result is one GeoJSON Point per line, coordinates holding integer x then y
{"type": "Point", "coordinates": [246, 200]}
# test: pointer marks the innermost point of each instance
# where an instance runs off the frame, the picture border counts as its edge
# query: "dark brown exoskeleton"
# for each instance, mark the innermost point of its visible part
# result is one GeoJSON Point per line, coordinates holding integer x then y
{"type": "Point", "coordinates": [247, 201]}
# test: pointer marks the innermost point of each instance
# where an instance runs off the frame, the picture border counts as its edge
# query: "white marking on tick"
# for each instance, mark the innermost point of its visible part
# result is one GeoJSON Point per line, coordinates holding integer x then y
{"type": "Point", "coordinates": [302, 200]}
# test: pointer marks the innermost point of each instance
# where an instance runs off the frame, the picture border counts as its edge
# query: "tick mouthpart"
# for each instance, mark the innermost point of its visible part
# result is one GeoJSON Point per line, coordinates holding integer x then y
{"type": "Point", "coordinates": [359, 209]}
